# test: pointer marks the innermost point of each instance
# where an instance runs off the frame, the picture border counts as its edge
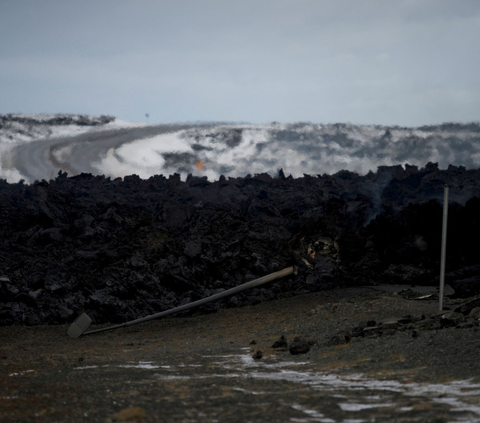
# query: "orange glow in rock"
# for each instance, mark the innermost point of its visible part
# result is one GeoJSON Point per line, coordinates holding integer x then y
{"type": "Point", "coordinates": [312, 255]}
{"type": "Point", "coordinates": [200, 165]}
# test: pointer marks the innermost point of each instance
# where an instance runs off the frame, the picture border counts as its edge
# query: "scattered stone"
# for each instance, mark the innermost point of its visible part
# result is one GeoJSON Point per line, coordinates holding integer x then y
{"type": "Point", "coordinates": [366, 324]}
{"type": "Point", "coordinates": [258, 355]}
{"type": "Point", "coordinates": [390, 324]}
{"type": "Point", "coordinates": [452, 315]}
{"type": "Point", "coordinates": [429, 324]}
{"type": "Point", "coordinates": [410, 318]}
{"type": "Point", "coordinates": [253, 342]}
{"type": "Point", "coordinates": [372, 331]}
{"type": "Point", "coordinates": [340, 339]}
{"type": "Point", "coordinates": [475, 313]}
{"type": "Point", "coordinates": [299, 346]}
{"type": "Point", "coordinates": [280, 343]}
{"type": "Point", "coordinates": [469, 305]}
{"type": "Point", "coordinates": [124, 249]}
{"type": "Point", "coordinates": [448, 291]}
{"type": "Point", "coordinates": [357, 332]}
{"type": "Point", "coordinates": [451, 319]}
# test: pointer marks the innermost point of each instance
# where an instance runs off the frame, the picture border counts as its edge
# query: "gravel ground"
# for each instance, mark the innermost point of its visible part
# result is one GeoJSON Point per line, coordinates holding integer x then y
{"type": "Point", "coordinates": [200, 367]}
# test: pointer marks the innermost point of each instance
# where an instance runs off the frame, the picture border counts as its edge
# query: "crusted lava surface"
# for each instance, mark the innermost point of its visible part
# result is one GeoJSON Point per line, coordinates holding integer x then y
{"type": "Point", "coordinates": [123, 249]}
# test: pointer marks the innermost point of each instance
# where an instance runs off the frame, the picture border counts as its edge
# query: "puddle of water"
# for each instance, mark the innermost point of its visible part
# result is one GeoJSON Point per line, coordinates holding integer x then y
{"type": "Point", "coordinates": [147, 365]}
{"type": "Point", "coordinates": [351, 406]}
{"type": "Point", "coordinates": [311, 414]}
{"type": "Point", "coordinates": [353, 396]}
{"type": "Point", "coordinates": [230, 361]}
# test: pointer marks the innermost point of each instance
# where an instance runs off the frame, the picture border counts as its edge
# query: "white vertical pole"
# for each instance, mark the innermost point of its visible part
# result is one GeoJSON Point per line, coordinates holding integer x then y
{"type": "Point", "coordinates": [444, 246]}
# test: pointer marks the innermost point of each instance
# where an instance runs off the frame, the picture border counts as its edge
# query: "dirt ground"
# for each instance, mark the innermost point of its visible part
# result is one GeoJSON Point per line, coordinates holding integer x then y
{"type": "Point", "coordinates": [200, 368]}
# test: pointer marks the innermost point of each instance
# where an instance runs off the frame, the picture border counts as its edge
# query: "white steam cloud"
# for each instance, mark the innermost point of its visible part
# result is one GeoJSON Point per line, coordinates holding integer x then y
{"type": "Point", "coordinates": [296, 148]}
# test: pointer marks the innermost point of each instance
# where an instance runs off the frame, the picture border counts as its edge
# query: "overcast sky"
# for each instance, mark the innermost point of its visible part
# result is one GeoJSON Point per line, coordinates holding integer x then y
{"type": "Point", "coordinates": [405, 62]}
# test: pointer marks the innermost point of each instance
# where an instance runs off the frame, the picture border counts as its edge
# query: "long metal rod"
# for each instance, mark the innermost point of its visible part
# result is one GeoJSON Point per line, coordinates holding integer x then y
{"type": "Point", "coordinates": [444, 247]}
{"type": "Point", "coordinates": [256, 282]}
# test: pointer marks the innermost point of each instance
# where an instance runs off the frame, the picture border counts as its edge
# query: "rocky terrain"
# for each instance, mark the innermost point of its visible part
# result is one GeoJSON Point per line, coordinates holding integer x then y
{"type": "Point", "coordinates": [346, 354]}
{"type": "Point", "coordinates": [122, 249]}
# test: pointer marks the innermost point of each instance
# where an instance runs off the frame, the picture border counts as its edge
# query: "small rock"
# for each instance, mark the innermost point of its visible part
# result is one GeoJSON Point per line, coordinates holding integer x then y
{"type": "Point", "coordinates": [410, 318]}
{"type": "Point", "coordinates": [475, 313]}
{"type": "Point", "coordinates": [468, 305]}
{"type": "Point", "coordinates": [448, 291]}
{"type": "Point", "coordinates": [367, 324]}
{"type": "Point", "coordinates": [452, 315]}
{"type": "Point", "coordinates": [390, 324]}
{"type": "Point", "coordinates": [451, 319]}
{"type": "Point", "coordinates": [429, 324]}
{"type": "Point", "coordinates": [299, 347]}
{"type": "Point", "coordinates": [446, 323]}
{"type": "Point", "coordinates": [340, 339]}
{"type": "Point", "coordinates": [280, 343]}
{"type": "Point", "coordinates": [253, 342]}
{"type": "Point", "coordinates": [357, 332]}
{"type": "Point", "coordinates": [371, 331]}
{"type": "Point", "coordinates": [258, 355]}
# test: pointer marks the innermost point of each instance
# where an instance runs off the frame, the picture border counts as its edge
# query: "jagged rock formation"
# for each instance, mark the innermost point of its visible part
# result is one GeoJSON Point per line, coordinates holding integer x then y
{"type": "Point", "coordinates": [122, 249]}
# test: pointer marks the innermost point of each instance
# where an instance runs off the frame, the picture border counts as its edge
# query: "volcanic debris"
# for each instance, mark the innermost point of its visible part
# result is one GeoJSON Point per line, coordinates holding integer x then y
{"type": "Point", "coordinates": [122, 249]}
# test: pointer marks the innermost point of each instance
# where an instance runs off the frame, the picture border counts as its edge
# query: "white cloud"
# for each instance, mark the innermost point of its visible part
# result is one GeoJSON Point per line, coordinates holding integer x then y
{"type": "Point", "coordinates": [253, 60]}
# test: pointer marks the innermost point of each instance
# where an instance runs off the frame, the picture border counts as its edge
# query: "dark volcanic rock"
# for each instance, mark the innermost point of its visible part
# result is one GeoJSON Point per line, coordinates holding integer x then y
{"type": "Point", "coordinates": [299, 346]}
{"type": "Point", "coordinates": [123, 249]}
{"type": "Point", "coordinates": [343, 338]}
{"type": "Point", "coordinates": [258, 355]}
{"type": "Point", "coordinates": [280, 343]}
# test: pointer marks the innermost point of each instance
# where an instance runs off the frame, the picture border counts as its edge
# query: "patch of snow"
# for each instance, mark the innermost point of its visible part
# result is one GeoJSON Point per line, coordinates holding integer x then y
{"type": "Point", "coordinates": [21, 373]}
{"type": "Point", "coordinates": [351, 406]}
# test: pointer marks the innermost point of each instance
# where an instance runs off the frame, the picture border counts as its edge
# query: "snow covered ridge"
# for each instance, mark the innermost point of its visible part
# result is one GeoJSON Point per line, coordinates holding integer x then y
{"type": "Point", "coordinates": [20, 127]}
{"type": "Point", "coordinates": [298, 148]}
{"type": "Point", "coordinates": [17, 128]}
{"type": "Point", "coordinates": [217, 149]}
{"type": "Point", "coordinates": [56, 119]}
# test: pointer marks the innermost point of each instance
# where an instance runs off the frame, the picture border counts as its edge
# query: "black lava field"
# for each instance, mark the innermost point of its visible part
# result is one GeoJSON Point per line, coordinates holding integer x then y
{"type": "Point", "coordinates": [123, 249]}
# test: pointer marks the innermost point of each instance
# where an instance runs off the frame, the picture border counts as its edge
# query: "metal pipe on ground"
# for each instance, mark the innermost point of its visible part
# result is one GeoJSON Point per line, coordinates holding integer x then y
{"type": "Point", "coordinates": [81, 324]}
